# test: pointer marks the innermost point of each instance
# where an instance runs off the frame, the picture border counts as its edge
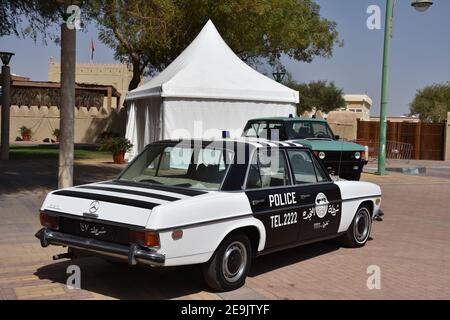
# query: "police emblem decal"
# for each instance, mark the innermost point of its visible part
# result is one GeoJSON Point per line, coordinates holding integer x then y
{"type": "Point", "coordinates": [321, 205]}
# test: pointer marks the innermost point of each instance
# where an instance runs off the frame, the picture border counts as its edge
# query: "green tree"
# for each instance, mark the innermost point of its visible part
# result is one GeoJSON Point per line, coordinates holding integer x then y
{"type": "Point", "coordinates": [320, 95]}
{"type": "Point", "coordinates": [432, 103]}
{"type": "Point", "coordinates": [8, 18]}
{"type": "Point", "coordinates": [149, 34]}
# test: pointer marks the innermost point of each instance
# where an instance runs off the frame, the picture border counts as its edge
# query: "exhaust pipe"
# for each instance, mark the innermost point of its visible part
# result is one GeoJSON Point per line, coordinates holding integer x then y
{"type": "Point", "coordinates": [67, 255]}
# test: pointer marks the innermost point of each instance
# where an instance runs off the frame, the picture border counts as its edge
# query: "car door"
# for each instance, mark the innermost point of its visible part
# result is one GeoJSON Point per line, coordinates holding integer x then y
{"type": "Point", "coordinates": [319, 199]}
{"type": "Point", "coordinates": [272, 197]}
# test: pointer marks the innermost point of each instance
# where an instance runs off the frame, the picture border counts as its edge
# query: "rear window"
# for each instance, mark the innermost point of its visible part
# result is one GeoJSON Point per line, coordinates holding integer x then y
{"type": "Point", "coordinates": [180, 166]}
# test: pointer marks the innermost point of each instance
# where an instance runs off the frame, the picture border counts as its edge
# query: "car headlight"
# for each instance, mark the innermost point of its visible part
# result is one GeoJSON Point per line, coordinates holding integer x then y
{"type": "Point", "coordinates": [357, 155]}
{"type": "Point", "coordinates": [321, 155]}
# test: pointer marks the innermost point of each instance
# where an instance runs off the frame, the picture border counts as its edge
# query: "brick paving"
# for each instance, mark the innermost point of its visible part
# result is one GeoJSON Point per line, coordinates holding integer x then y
{"type": "Point", "coordinates": [411, 247]}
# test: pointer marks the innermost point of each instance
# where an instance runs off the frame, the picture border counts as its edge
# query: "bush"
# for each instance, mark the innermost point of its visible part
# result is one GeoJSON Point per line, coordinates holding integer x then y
{"type": "Point", "coordinates": [116, 145]}
{"type": "Point", "coordinates": [25, 131]}
{"type": "Point", "coordinates": [56, 133]}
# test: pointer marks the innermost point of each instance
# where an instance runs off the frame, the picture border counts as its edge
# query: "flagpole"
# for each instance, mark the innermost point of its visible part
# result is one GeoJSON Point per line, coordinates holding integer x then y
{"type": "Point", "coordinates": [92, 52]}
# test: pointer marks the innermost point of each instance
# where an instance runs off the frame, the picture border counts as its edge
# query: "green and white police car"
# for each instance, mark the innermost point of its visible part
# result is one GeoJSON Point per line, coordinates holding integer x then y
{"type": "Point", "coordinates": [340, 158]}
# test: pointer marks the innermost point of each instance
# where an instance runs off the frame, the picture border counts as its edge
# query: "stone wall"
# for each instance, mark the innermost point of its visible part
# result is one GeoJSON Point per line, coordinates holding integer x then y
{"type": "Point", "coordinates": [343, 124]}
{"type": "Point", "coordinates": [89, 123]}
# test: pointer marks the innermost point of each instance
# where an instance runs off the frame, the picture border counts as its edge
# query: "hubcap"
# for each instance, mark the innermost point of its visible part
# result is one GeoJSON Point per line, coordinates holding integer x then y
{"type": "Point", "coordinates": [361, 226]}
{"type": "Point", "coordinates": [234, 261]}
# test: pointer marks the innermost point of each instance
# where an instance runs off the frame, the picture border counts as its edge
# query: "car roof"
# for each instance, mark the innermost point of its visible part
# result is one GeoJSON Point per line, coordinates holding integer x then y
{"type": "Point", "coordinates": [253, 143]}
{"type": "Point", "coordinates": [287, 119]}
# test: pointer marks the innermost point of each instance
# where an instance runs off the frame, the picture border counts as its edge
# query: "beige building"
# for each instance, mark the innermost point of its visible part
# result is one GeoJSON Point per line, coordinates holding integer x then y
{"type": "Point", "coordinates": [359, 104]}
{"type": "Point", "coordinates": [100, 92]}
{"type": "Point", "coordinates": [116, 75]}
{"type": "Point", "coordinates": [34, 104]}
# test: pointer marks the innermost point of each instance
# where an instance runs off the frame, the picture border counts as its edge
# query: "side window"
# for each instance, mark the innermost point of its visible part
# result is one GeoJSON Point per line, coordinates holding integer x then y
{"type": "Point", "coordinates": [268, 168]}
{"type": "Point", "coordinates": [302, 167]}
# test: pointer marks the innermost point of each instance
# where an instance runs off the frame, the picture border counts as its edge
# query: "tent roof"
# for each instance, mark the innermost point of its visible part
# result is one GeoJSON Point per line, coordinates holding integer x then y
{"type": "Point", "coordinates": [209, 69]}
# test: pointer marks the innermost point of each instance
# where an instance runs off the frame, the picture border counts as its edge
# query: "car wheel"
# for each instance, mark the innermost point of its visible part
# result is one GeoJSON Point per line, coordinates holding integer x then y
{"type": "Point", "coordinates": [359, 231]}
{"type": "Point", "coordinates": [230, 264]}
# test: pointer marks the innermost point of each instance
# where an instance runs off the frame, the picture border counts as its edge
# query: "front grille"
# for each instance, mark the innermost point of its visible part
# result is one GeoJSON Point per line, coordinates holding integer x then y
{"type": "Point", "coordinates": [94, 230]}
{"type": "Point", "coordinates": [336, 156]}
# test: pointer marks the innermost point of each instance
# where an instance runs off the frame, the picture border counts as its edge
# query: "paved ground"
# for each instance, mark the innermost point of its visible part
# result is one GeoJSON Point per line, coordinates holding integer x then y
{"type": "Point", "coordinates": [411, 247]}
{"type": "Point", "coordinates": [440, 169]}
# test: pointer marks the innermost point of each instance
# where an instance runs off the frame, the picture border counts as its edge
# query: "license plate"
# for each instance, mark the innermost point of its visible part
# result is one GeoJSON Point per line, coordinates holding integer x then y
{"type": "Point", "coordinates": [95, 230]}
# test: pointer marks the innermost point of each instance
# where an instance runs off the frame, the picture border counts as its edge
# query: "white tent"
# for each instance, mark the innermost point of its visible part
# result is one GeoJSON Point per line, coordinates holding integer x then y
{"type": "Point", "coordinates": [205, 90]}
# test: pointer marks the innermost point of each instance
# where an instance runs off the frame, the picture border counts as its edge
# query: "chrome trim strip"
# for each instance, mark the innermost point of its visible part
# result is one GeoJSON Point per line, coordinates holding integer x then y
{"type": "Point", "coordinates": [206, 222]}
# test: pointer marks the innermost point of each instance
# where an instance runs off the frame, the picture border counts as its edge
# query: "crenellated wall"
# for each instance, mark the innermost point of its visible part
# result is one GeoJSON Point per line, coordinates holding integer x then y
{"type": "Point", "coordinates": [89, 123]}
{"type": "Point", "coordinates": [117, 75]}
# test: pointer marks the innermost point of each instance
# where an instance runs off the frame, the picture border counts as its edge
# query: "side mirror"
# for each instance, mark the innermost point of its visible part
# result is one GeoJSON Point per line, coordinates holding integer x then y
{"type": "Point", "coordinates": [337, 137]}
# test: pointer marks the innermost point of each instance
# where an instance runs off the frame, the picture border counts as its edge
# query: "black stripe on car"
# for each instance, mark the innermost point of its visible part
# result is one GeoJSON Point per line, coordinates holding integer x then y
{"type": "Point", "coordinates": [183, 191]}
{"type": "Point", "coordinates": [264, 143]}
{"type": "Point", "coordinates": [133, 192]}
{"type": "Point", "coordinates": [290, 144]}
{"type": "Point", "coordinates": [106, 198]}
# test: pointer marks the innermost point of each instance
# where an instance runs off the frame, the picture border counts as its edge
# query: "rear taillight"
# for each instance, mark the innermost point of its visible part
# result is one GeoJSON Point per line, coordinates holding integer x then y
{"type": "Point", "coordinates": [145, 238]}
{"type": "Point", "coordinates": [49, 221]}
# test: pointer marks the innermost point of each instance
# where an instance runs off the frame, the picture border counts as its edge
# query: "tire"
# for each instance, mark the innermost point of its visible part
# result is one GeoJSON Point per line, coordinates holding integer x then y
{"type": "Point", "coordinates": [359, 231]}
{"type": "Point", "coordinates": [229, 266]}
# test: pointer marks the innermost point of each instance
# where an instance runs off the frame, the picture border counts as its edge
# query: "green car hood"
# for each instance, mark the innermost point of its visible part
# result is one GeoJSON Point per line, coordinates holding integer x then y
{"type": "Point", "coordinates": [330, 145]}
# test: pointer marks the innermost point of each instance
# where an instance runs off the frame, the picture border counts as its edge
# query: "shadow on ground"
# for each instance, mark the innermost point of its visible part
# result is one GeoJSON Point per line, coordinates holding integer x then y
{"type": "Point", "coordinates": [31, 175]}
{"type": "Point", "coordinates": [123, 282]}
{"type": "Point", "coordinates": [273, 261]}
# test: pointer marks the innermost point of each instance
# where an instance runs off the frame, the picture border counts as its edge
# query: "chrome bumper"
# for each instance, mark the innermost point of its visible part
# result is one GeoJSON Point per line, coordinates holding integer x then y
{"type": "Point", "coordinates": [133, 253]}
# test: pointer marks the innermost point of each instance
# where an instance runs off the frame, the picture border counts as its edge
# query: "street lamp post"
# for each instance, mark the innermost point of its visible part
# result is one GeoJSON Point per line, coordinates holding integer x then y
{"type": "Point", "coordinates": [279, 75]}
{"type": "Point", "coordinates": [6, 103]}
{"type": "Point", "coordinates": [419, 5]}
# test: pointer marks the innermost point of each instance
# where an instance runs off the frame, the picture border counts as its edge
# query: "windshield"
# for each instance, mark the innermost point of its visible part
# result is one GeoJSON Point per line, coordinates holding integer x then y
{"type": "Point", "coordinates": [180, 166]}
{"type": "Point", "coordinates": [308, 130]}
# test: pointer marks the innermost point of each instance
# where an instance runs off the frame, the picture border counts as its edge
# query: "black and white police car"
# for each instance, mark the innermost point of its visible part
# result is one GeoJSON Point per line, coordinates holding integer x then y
{"type": "Point", "coordinates": [216, 203]}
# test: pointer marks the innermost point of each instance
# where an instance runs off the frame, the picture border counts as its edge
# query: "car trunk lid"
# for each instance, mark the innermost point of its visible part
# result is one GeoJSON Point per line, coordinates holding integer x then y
{"type": "Point", "coordinates": [114, 202]}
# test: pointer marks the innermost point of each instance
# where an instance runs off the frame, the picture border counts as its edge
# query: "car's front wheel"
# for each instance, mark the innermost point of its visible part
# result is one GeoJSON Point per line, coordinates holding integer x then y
{"type": "Point", "coordinates": [359, 231]}
{"type": "Point", "coordinates": [230, 264]}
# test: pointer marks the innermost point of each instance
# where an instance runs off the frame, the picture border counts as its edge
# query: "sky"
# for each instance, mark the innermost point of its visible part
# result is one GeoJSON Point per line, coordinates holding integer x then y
{"type": "Point", "coordinates": [420, 52]}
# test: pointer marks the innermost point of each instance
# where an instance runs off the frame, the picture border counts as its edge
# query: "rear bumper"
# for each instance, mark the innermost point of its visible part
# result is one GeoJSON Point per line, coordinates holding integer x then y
{"type": "Point", "coordinates": [134, 253]}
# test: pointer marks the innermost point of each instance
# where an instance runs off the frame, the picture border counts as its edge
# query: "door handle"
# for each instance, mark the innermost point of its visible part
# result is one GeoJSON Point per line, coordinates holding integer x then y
{"type": "Point", "coordinates": [256, 202]}
{"type": "Point", "coordinates": [304, 196]}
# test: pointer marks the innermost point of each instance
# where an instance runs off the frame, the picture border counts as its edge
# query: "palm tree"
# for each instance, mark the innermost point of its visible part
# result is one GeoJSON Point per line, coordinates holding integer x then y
{"type": "Point", "coordinates": [67, 106]}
